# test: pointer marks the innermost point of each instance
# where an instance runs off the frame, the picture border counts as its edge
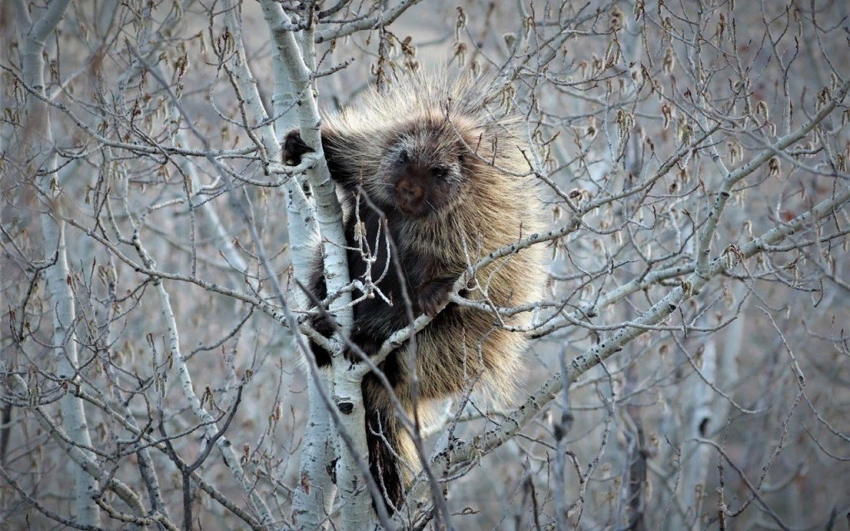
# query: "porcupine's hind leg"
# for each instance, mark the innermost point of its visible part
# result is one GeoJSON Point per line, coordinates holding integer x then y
{"type": "Point", "coordinates": [393, 459]}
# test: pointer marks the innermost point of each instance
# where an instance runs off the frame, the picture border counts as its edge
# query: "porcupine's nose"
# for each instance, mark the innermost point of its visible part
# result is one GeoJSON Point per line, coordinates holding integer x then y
{"type": "Point", "coordinates": [409, 194]}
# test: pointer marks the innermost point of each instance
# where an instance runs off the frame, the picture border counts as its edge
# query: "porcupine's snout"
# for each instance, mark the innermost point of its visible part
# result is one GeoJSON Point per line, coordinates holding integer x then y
{"type": "Point", "coordinates": [409, 194]}
{"type": "Point", "coordinates": [411, 188]}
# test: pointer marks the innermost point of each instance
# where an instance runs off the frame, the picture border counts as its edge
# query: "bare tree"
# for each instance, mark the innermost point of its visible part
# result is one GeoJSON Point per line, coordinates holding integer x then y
{"type": "Point", "coordinates": [690, 360]}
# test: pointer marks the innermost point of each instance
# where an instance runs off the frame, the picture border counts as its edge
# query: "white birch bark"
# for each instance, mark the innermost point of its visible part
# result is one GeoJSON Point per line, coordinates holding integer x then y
{"type": "Point", "coordinates": [706, 415]}
{"type": "Point", "coordinates": [700, 419]}
{"type": "Point", "coordinates": [315, 493]}
{"type": "Point", "coordinates": [357, 508]}
{"type": "Point", "coordinates": [44, 166]}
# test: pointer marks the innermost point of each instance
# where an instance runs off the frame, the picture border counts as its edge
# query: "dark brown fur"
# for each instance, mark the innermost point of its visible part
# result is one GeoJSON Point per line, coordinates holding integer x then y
{"type": "Point", "coordinates": [433, 160]}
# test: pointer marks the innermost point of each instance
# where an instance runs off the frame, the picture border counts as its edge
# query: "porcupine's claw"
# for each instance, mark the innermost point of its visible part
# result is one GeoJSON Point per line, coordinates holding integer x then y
{"type": "Point", "coordinates": [293, 148]}
{"type": "Point", "coordinates": [433, 296]}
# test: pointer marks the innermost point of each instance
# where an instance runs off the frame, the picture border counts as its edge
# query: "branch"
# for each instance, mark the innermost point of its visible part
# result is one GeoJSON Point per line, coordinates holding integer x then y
{"type": "Point", "coordinates": [378, 21]}
{"type": "Point", "coordinates": [710, 227]}
{"type": "Point", "coordinates": [483, 444]}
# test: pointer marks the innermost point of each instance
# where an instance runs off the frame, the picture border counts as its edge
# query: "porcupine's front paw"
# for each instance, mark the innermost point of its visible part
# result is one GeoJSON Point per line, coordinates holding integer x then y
{"type": "Point", "coordinates": [432, 296]}
{"type": "Point", "coordinates": [294, 148]}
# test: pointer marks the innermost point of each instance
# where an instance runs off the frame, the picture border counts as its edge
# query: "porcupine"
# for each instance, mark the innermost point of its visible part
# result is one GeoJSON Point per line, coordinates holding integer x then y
{"type": "Point", "coordinates": [444, 166]}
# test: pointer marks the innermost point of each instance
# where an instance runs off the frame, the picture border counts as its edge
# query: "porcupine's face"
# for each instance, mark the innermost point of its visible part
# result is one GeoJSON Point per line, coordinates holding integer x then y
{"type": "Point", "coordinates": [423, 170]}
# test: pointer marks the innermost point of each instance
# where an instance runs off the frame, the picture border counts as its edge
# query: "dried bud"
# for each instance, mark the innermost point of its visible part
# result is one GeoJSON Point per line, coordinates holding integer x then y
{"type": "Point", "coordinates": [667, 114]}
{"type": "Point", "coordinates": [773, 166]}
{"type": "Point", "coordinates": [591, 130]}
{"type": "Point", "coordinates": [510, 40]}
{"type": "Point", "coordinates": [598, 246]}
{"type": "Point", "coordinates": [684, 132]}
{"type": "Point", "coordinates": [656, 86]}
{"type": "Point", "coordinates": [596, 65]}
{"type": "Point", "coordinates": [761, 110]}
{"type": "Point", "coordinates": [721, 28]}
{"type": "Point", "coordinates": [460, 52]}
{"type": "Point", "coordinates": [225, 43]}
{"type": "Point", "coordinates": [808, 150]}
{"type": "Point", "coordinates": [625, 122]}
{"type": "Point", "coordinates": [612, 55]}
{"type": "Point", "coordinates": [408, 49]}
{"type": "Point", "coordinates": [582, 66]}
{"type": "Point", "coordinates": [638, 11]}
{"type": "Point", "coordinates": [823, 97]}
{"type": "Point", "coordinates": [636, 71]}
{"type": "Point", "coordinates": [507, 94]}
{"type": "Point", "coordinates": [461, 22]}
{"type": "Point", "coordinates": [669, 62]}
{"type": "Point", "coordinates": [616, 19]}
{"type": "Point", "coordinates": [735, 151]}
{"type": "Point", "coordinates": [413, 65]}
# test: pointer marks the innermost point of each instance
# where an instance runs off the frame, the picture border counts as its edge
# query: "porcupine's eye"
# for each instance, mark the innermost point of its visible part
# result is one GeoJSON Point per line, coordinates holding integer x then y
{"type": "Point", "coordinates": [439, 173]}
{"type": "Point", "coordinates": [402, 157]}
